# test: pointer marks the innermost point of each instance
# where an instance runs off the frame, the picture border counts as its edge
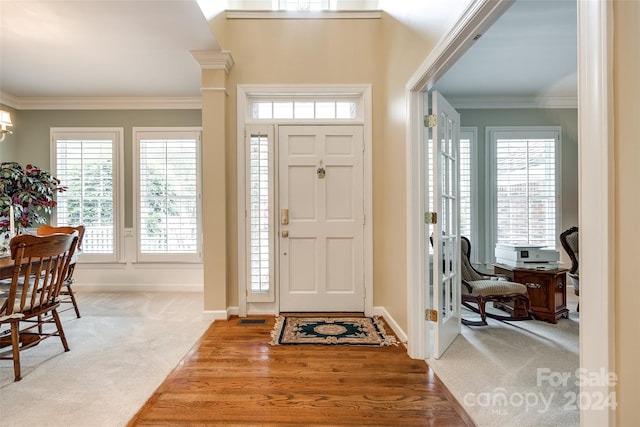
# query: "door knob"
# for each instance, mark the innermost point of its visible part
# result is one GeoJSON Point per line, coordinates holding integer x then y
{"type": "Point", "coordinates": [285, 233]}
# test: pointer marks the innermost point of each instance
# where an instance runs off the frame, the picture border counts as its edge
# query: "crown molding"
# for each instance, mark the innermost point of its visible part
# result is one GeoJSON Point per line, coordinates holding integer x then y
{"type": "Point", "coordinates": [213, 60]}
{"type": "Point", "coordinates": [493, 102]}
{"type": "Point", "coordinates": [8, 100]}
{"type": "Point", "coordinates": [103, 103]}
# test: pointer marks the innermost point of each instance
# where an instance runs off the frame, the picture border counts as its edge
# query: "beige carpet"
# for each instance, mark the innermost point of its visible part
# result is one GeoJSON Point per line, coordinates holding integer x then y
{"type": "Point", "coordinates": [503, 374]}
{"type": "Point", "coordinates": [122, 348]}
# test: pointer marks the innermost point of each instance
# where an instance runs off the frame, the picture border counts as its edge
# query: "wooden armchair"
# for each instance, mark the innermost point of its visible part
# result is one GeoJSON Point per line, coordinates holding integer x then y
{"type": "Point", "coordinates": [66, 294]}
{"type": "Point", "coordinates": [479, 288]}
{"type": "Point", "coordinates": [41, 264]}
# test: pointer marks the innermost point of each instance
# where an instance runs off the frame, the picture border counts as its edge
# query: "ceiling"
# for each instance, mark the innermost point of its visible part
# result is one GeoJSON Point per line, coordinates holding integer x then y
{"type": "Point", "coordinates": [101, 48]}
{"type": "Point", "coordinates": [529, 53]}
{"type": "Point", "coordinates": [141, 48]}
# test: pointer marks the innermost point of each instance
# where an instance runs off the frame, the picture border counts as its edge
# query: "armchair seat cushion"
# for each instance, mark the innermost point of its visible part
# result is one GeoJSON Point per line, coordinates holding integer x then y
{"type": "Point", "coordinates": [494, 287]}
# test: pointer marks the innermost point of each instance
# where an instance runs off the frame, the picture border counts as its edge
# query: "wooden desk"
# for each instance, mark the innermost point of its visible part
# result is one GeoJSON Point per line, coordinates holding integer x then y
{"type": "Point", "coordinates": [547, 291]}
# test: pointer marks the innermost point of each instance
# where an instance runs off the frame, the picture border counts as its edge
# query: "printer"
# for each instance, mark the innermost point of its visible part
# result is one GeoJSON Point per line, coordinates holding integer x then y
{"type": "Point", "coordinates": [526, 256]}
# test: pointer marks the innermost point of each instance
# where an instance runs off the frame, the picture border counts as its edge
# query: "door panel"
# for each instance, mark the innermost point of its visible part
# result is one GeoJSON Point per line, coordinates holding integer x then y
{"type": "Point", "coordinates": [303, 270]}
{"type": "Point", "coordinates": [446, 235]}
{"type": "Point", "coordinates": [302, 194]}
{"type": "Point", "coordinates": [340, 260]}
{"type": "Point", "coordinates": [339, 187]}
{"type": "Point", "coordinates": [320, 179]}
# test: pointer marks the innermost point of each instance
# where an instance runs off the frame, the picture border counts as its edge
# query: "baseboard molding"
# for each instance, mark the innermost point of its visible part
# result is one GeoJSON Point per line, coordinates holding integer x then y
{"type": "Point", "coordinates": [215, 315]}
{"type": "Point", "coordinates": [135, 287]}
{"type": "Point", "coordinates": [400, 334]}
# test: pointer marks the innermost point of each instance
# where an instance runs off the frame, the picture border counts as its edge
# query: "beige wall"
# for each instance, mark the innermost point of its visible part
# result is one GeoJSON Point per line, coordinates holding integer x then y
{"type": "Point", "coordinates": [627, 230]}
{"type": "Point", "coordinates": [410, 32]}
{"type": "Point", "coordinates": [381, 52]}
{"type": "Point", "coordinates": [269, 51]}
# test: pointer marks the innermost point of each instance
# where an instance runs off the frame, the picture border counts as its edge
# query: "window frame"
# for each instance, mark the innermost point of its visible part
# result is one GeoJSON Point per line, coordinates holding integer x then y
{"type": "Point", "coordinates": [492, 134]}
{"type": "Point", "coordinates": [165, 132]}
{"type": "Point", "coordinates": [472, 134]}
{"type": "Point", "coordinates": [268, 131]}
{"type": "Point", "coordinates": [117, 136]}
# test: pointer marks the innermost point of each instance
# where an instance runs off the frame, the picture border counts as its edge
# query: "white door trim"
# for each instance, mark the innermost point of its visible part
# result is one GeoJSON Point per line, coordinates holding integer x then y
{"type": "Point", "coordinates": [244, 93]}
{"type": "Point", "coordinates": [596, 200]}
{"type": "Point", "coordinates": [597, 238]}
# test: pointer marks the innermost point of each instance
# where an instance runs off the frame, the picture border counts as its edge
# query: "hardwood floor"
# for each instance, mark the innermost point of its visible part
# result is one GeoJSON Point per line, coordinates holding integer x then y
{"type": "Point", "coordinates": [232, 376]}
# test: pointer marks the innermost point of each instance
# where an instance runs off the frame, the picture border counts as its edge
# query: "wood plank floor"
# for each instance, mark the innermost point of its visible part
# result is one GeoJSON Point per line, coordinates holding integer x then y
{"type": "Point", "coordinates": [232, 376]}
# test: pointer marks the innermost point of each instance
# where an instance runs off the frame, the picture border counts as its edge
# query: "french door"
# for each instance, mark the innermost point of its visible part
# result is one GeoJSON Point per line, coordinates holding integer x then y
{"type": "Point", "coordinates": [443, 202]}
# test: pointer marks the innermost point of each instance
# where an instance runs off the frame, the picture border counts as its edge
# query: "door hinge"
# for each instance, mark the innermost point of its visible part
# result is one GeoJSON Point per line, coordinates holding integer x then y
{"type": "Point", "coordinates": [431, 217]}
{"type": "Point", "coordinates": [430, 120]}
{"type": "Point", "coordinates": [431, 315]}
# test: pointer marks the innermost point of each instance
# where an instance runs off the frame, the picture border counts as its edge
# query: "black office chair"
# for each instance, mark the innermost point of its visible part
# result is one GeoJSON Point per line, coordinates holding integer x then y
{"type": "Point", "coordinates": [569, 240]}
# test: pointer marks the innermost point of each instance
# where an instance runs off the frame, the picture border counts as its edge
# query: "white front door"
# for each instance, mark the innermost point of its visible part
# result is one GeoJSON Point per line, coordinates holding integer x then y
{"type": "Point", "coordinates": [321, 216]}
{"type": "Point", "coordinates": [445, 294]}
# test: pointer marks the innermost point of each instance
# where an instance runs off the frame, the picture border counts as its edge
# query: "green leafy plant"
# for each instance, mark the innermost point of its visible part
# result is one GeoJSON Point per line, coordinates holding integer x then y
{"type": "Point", "coordinates": [30, 190]}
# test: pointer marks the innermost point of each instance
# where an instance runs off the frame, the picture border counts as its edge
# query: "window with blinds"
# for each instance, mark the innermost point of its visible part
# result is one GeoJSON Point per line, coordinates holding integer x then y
{"type": "Point", "coordinates": [526, 185]}
{"type": "Point", "coordinates": [468, 155]}
{"type": "Point", "coordinates": [464, 155]}
{"type": "Point", "coordinates": [168, 195]}
{"type": "Point", "coordinates": [260, 258]}
{"type": "Point", "coordinates": [86, 163]}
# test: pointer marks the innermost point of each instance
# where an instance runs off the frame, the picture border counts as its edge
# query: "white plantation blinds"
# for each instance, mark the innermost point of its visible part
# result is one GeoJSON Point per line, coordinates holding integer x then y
{"type": "Point", "coordinates": [464, 156]}
{"type": "Point", "coordinates": [259, 214]}
{"type": "Point", "coordinates": [525, 171]}
{"type": "Point", "coordinates": [84, 163]}
{"type": "Point", "coordinates": [168, 194]}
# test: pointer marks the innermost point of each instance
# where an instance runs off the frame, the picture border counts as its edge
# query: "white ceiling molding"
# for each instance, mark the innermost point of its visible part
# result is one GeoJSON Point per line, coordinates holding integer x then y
{"type": "Point", "coordinates": [287, 14]}
{"type": "Point", "coordinates": [8, 100]}
{"type": "Point", "coordinates": [213, 60]}
{"type": "Point", "coordinates": [495, 102]}
{"type": "Point", "coordinates": [107, 103]}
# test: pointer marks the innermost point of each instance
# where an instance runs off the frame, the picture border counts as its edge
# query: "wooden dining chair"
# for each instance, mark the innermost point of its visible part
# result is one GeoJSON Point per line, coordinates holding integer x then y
{"type": "Point", "coordinates": [29, 306]}
{"type": "Point", "coordinates": [66, 294]}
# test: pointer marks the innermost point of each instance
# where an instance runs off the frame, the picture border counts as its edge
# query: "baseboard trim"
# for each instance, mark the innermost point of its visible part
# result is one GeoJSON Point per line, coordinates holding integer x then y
{"type": "Point", "coordinates": [215, 315]}
{"type": "Point", "coordinates": [135, 287]}
{"type": "Point", "coordinates": [400, 334]}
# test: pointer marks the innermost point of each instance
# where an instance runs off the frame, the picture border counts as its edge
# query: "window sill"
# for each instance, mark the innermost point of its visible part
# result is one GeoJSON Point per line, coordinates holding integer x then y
{"type": "Point", "coordinates": [285, 14]}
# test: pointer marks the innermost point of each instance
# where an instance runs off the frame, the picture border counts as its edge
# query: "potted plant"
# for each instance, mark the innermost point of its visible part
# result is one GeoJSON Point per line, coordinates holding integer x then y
{"type": "Point", "coordinates": [30, 191]}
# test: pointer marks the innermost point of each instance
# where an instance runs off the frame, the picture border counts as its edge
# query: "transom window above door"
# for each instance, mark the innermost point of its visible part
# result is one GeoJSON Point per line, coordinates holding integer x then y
{"type": "Point", "coordinates": [303, 5]}
{"type": "Point", "coordinates": [304, 110]}
{"type": "Point", "coordinates": [340, 107]}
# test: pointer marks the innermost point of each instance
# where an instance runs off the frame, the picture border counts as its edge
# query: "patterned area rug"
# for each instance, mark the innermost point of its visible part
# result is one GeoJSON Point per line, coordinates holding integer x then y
{"type": "Point", "coordinates": [330, 331]}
